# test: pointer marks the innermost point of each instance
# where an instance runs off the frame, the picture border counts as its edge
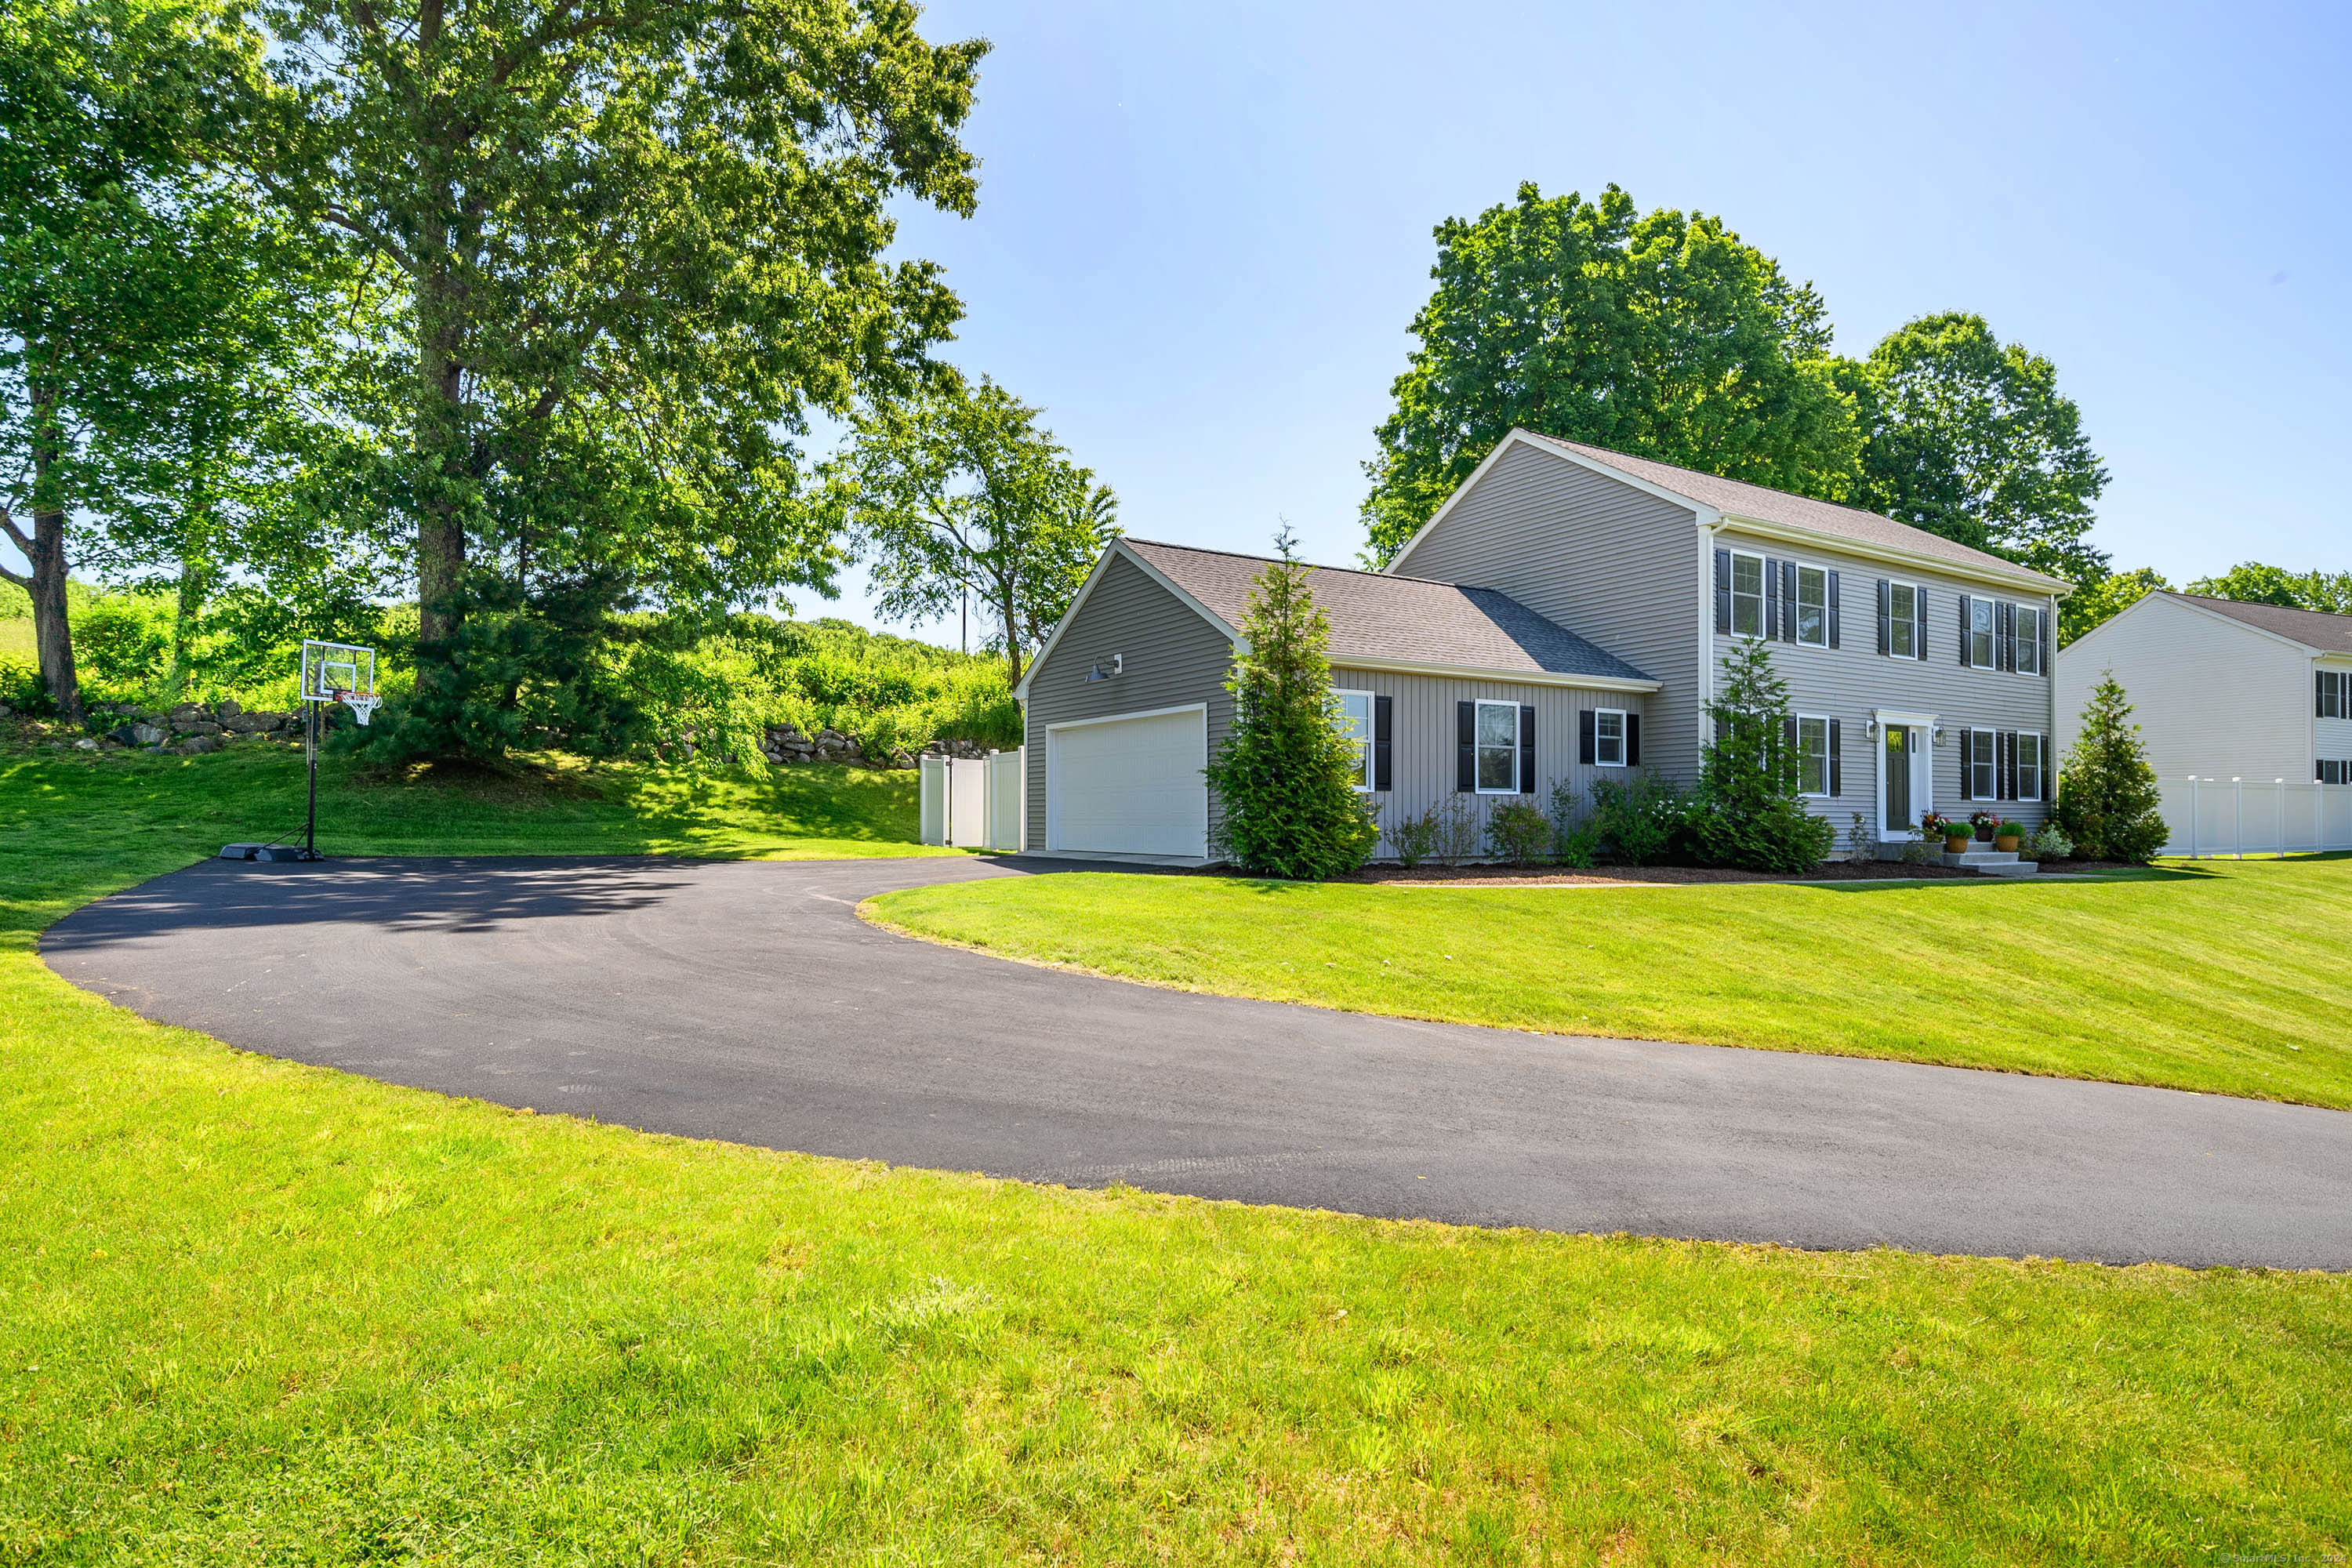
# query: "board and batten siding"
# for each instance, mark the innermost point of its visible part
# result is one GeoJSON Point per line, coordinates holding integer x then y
{"type": "Point", "coordinates": [2212, 697]}
{"type": "Point", "coordinates": [1172, 657]}
{"type": "Point", "coordinates": [1614, 565]}
{"type": "Point", "coordinates": [1423, 745]}
{"type": "Point", "coordinates": [1847, 682]}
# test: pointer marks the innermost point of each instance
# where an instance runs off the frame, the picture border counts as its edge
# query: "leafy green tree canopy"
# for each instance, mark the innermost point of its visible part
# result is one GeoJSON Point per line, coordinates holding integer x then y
{"type": "Point", "coordinates": [2108, 803]}
{"type": "Point", "coordinates": [1286, 774]}
{"type": "Point", "coordinates": [958, 488]}
{"type": "Point", "coordinates": [1662, 335]}
{"type": "Point", "coordinates": [630, 247]}
{"type": "Point", "coordinates": [2252, 583]}
{"type": "Point", "coordinates": [2103, 598]}
{"type": "Point", "coordinates": [1968, 437]}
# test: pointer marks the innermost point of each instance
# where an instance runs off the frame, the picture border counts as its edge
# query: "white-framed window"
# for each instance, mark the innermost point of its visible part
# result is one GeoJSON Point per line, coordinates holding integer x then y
{"type": "Point", "coordinates": [2029, 763]}
{"type": "Point", "coordinates": [1903, 619]}
{"type": "Point", "coordinates": [1609, 737]}
{"type": "Point", "coordinates": [1812, 756]}
{"type": "Point", "coordinates": [2029, 640]}
{"type": "Point", "coordinates": [1748, 597]}
{"type": "Point", "coordinates": [1980, 633]}
{"type": "Point", "coordinates": [1813, 606]}
{"type": "Point", "coordinates": [1983, 763]}
{"type": "Point", "coordinates": [2334, 694]}
{"type": "Point", "coordinates": [1498, 748]}
{"type": "Point", "coordinates": [1356, 723]}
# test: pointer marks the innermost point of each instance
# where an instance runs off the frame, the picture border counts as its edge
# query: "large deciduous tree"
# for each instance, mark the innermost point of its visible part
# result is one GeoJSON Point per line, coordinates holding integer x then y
{"type": "Point", "coordinates": [1968, 437]}
{"type": "Point", "coordinates": [958, 488]}
{"type": "Point", "coordinates": [113, 260]}
{"type": "Point", "coordinates": [1662, 335]}
{"type": "Point", "coordinates": [633, 245]}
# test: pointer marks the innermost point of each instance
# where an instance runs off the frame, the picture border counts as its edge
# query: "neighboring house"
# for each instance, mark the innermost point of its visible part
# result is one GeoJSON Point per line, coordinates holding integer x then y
{"type": "Point", "coordinates": [2223, 691]}
{"type": "Point", "coordinates": [1596, 594]}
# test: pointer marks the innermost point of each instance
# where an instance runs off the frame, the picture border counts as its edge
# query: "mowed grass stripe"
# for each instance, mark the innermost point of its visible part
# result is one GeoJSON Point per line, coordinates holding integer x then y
{"type": "Point", "coordinates": [2223, 976]}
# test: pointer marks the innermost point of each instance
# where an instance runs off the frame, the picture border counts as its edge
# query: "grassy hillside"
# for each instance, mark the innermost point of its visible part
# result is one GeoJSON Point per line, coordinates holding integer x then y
{"type": "Point", "coordinates": [257, 1312]}
{"type": "Point", "coordinates": [2219, 976]}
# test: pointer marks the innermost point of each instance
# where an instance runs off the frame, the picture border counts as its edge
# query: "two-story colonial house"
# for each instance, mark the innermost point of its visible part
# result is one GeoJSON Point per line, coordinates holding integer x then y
{"type": "Point", "coordinates": [1563, 617]}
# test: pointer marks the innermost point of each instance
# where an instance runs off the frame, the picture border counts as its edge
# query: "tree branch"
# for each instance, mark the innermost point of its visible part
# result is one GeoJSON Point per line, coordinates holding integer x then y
{"type": "Point", "coordinates": [8, 522]}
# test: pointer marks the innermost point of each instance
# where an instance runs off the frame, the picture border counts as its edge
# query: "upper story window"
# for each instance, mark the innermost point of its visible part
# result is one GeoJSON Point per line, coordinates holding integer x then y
{"type": "Point", "coordinates": [1976, 632]}
{"type": "Point", "coordinates": [1906, 609]}
{"type": "Point", "coordinates": [2334, 694]}
{"type": "Point", "coordinates": [1813, 606]}
{"type": "Point", "coordinates": [1356, 723]}
{"type": "Point", "coordinates": [2028, 641]}
{"type": "Point", "coordinates": [1748, 597]}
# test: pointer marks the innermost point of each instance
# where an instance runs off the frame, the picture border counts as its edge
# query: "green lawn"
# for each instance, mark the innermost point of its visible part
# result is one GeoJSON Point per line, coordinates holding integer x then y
{"type": "Point", "coordinates": [2230, 976]}
{"type": "Point", "coordinates": [257, 1312]}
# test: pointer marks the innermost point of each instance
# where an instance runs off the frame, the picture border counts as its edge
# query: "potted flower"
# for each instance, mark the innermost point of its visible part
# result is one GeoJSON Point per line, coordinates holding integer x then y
{"type": "Point", "coordinates": [1955, 834]}
{"type": "Point", "coordinates": [1983, 823]}
{"type": "Point", "coordinates": [2008, 836]}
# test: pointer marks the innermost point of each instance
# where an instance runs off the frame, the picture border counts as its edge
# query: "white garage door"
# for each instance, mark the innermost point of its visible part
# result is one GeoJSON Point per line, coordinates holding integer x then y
{"type": "Point", "coordinates": [1130, 786]}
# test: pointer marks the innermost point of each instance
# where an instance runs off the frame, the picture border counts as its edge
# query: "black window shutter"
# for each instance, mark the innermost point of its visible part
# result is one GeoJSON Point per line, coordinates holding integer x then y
{"type": "Point", "coordinates": [2046, 770]}
{"type": "Point", "coordinates": [1834, 609]}
{"type": "Point", "coordinates": [1771, 627]}
{"type": "Point", "coordinates": [1383, 732]}
{"type": "Point", "coordinates": [1885, 617]}
{"type": "Point", "coordinates": [1633, 739]}
{"type": "Point", "coordinates": [2004, 751]}
{"type": "Point", "coordinates": [2042, 664]}
{"type": "Point", "coordinates": [1723, 590]}
{"type": "Point", "coordinates": [1788, 754]}
{"type": "Point", "coordinates": [1837, 768]}
{"type": "Point", "coordinates": [1967, 759]}
{"type": "Point", "coordinates": [2319, 693]}
{"type": "Point", "coordinates": [1788, 601]}
{"type": "Point", "coordinates": [1964, 628]}
{"type": "Point", "coordinates": [1919, 626]}
{"type": "Point", "coordinates": [1526, 748]}
{"type": "Point", "coordinates": [1466, 764]}
{"type": "Point", "coordinates": [1586, 748]}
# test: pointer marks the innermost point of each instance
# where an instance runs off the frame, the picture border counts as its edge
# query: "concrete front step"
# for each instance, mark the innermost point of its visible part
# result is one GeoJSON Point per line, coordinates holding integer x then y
{"type": "Point", "coordinates": [1993, 863]}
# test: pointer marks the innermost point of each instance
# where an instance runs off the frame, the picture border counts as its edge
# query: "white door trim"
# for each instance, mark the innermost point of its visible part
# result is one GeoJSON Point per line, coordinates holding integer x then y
{"type": "Point", "coordinates": [1923, 769]}
{"type": "Point", "coordinates": [1054, 756]}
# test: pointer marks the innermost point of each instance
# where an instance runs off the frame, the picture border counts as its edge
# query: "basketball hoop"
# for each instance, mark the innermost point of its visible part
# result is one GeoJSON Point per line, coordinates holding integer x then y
{"type": "Point", "coordinates": [363, 707]}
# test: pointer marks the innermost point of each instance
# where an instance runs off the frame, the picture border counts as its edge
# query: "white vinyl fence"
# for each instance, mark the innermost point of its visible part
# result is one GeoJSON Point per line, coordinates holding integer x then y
{"type": "Point", "coordinates": [974, 803]}
{"type": "Point", "coordinates": [2257, 816]}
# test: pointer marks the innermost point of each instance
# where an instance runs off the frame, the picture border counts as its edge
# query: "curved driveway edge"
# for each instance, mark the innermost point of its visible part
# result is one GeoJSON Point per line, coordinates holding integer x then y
{"type": "Point", "coordinates": [745, 1001]}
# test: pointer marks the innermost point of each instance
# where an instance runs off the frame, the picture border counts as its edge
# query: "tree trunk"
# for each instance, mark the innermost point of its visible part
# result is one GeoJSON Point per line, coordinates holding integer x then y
{"type": "Point", "coordinates": [440, 436]}
{"type": "Point", "coordinates": [1012, 632]}
{"type": "Point", "coordinates": [52, 637]}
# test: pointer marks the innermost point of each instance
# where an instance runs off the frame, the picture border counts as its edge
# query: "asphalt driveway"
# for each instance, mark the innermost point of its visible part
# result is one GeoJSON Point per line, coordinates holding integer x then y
{"type": "Point", "coordinates": [745, 1001]}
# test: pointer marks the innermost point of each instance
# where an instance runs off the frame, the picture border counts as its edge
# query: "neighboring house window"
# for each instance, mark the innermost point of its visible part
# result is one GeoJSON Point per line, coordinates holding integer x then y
{"type": "Point", "coordinates": [1983, 763]}
{"type": "Point", "coordinates": [1609, 737]}
{"type": "Point", "coordinates": [2332, 770]}
{"type": "Point", "coordinates": [1498, 748]}
{"type": "Point", "coordinates": [2334, 694]}
{"type": "Point", "coordinates": [2029, 643]}
{"type": "Point", "coordinates": [1748, 595]}
{"type": "Point", "coordinates": [1812, 756]}
{"type": "Point", "coordinates": [2029, 765]}
{"type": "Point", "coordinates": [1813, 606]}
{"type": "Point", "coordinates": [1356, 723]}
{"type": "Point", "coordinates": [1903, 620]}
{"type": "Point", "coordinates": [1980, 629]}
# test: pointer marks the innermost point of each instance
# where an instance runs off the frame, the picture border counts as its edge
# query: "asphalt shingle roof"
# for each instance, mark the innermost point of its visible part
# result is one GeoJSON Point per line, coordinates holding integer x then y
{"type": "Point", "coordinates": [1414, 620]}
{"type": "Point", "coordinates": [1764, 505]}
{"type": "Point", "coordinates": [2313, 628]}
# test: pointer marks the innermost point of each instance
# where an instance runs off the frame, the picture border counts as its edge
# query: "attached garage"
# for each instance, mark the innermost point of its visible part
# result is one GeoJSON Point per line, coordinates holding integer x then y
{"type": "Point", "coordinates": [1130, 784]}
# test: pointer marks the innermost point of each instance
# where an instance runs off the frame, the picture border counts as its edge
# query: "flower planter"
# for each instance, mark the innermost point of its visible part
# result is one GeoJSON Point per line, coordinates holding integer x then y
{"type": "Point", "coordinates": [1957, 844]}
{"type": "Point", "coordinates": [2006, 843]}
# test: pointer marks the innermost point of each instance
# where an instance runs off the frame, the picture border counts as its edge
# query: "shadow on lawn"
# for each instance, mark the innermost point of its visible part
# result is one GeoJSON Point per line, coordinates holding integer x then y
{"type": "Point", "coordinates": [1981, 884]}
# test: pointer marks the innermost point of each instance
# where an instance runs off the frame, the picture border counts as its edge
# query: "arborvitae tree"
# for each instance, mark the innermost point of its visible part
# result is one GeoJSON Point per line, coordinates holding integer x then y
{"type": "Point", "coordinates": [2108, 803]}
{"type": "Point", "coordinates": [1746, 812]}
{"type": "Point", "coordinates": [1284, 777]}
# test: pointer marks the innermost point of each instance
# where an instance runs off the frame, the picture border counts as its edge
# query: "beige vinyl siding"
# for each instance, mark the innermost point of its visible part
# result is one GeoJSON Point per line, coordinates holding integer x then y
{"type": "Point", "coordinates": [1847, 682]}
{"type": "Point", "coordinates": [1424, 740]}
{"type": "Point", "coordinates": [1612, 563]}
{"type": "Point", "coordinates": [1172, 657]}
{"type": "Point", "coordinates": [2212, 697]}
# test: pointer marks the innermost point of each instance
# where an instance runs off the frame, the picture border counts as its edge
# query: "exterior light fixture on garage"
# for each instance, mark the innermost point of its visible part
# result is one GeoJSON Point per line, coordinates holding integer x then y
{"type": "Point", "coordinates": [1105, 669]}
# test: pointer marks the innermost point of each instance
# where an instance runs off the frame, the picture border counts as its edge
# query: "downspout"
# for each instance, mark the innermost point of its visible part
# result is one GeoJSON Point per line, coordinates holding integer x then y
{"type": "Point", "coordinates": [1707, 535]}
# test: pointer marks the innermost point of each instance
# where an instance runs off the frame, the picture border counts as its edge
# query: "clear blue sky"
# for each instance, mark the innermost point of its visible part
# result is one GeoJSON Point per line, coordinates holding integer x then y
{"type": "Point", "coordinates": [1203, 229]}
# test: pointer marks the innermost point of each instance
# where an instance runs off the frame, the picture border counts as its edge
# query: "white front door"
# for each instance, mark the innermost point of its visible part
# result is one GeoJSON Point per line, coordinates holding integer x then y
{"type": "Point", "coordinates": [1129, 784]}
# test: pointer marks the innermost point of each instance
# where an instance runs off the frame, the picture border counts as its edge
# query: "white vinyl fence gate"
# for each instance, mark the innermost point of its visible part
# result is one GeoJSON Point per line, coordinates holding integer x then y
{"type": "Point", "coordinates": [974, 803]}
{"type": "Point", "coordinates": [2255, 817]}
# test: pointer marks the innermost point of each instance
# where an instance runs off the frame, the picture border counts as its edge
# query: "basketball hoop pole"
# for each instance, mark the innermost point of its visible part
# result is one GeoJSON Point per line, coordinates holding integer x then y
{"type": "Point", "coordinates": [310, 813]}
